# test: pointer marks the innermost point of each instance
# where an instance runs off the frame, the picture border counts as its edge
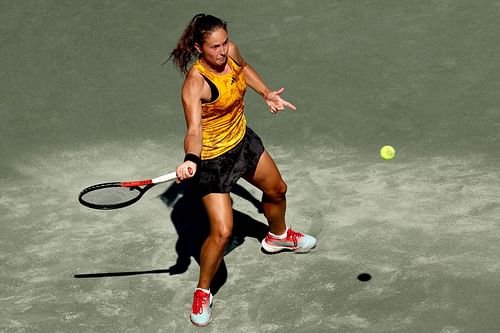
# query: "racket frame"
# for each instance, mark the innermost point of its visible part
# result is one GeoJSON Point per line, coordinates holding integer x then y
{"type": "Point", "coordinates": [133, 185]}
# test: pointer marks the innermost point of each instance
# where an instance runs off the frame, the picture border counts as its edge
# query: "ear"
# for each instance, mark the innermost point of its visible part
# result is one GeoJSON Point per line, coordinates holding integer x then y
{"type": "Point", "coordinates": [197, 47]}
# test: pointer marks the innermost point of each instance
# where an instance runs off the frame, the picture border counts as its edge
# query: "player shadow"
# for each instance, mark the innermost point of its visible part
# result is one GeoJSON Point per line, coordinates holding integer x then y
{"type": "Point", "coordinates": [191, 223]}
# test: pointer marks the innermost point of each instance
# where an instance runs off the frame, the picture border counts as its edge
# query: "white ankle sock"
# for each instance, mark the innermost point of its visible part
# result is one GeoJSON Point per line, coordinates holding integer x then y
{"type": "Point", "coordinates": [282, 236]}
{"type": "Point", "coordinates": [206, 291]}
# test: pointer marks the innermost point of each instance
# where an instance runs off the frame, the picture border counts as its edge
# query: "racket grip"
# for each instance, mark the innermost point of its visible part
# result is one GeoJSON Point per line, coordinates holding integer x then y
{"type": "Point", "coordinates": [165, 178]}
{"type": "Point", "coordinates": [136, 183]}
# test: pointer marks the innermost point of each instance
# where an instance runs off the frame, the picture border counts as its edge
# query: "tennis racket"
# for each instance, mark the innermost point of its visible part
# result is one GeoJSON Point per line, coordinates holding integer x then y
{"type": "Point", "coordinates": [119, 194]}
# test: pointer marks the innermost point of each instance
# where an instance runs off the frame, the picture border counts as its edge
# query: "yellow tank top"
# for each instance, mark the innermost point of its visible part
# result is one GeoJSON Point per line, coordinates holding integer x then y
{"type": "Point", "coordinates": [223, 118]}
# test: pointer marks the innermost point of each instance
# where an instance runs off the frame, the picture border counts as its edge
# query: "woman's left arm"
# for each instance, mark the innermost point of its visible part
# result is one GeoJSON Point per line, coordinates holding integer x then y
{"type": "Point", "coordinates": [272, 98]}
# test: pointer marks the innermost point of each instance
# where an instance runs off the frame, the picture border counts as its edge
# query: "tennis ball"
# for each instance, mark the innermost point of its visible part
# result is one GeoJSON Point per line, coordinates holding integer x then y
{"type": "Point", "coordinates": [387, 152]}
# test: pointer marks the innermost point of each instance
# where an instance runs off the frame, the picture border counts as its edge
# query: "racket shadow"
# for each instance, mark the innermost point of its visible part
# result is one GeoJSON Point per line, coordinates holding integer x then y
{"type": "Point", "coordinates": [192, 226]}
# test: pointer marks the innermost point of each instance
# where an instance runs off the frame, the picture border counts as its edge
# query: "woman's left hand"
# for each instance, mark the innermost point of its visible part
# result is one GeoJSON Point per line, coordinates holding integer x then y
{"type": "Point", "coordinates": [276, 103]}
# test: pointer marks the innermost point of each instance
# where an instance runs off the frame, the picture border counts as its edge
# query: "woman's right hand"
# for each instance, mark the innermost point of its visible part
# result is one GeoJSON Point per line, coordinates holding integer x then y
{"type": "Point", "coordinates": [185, 171]}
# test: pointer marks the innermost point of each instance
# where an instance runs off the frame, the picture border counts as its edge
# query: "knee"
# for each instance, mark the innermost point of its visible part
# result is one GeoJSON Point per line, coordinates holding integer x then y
{"type": "Point", "coordinates": [277, 193]}
{"type": "Point", "coordinates": [221, 235]}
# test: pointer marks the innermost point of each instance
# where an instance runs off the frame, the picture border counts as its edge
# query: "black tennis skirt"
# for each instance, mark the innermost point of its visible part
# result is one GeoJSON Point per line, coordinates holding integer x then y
{"type": "Point", "coordinates": [219, 174]}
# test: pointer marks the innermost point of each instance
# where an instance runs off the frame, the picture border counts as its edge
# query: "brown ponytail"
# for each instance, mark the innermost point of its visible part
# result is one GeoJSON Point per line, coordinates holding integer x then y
{"type": "Point", "coordinates": [199, 26]}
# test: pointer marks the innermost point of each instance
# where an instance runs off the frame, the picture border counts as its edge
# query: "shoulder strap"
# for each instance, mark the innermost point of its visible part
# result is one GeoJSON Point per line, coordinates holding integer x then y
{"type": "Point", "coordinates": [214, 92]}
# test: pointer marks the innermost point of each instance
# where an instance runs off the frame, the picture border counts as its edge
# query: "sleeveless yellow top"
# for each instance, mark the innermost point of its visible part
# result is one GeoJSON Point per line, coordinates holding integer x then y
{"type": "Point", "coordinates": [223, 118]}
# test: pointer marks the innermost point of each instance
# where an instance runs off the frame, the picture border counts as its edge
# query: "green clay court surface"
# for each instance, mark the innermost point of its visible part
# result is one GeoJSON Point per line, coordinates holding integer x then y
{"type": "Point", "coordinates": [84, 98]}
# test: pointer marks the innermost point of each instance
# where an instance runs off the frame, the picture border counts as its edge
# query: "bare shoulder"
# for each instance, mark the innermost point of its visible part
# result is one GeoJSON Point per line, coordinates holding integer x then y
{"type": "Point", "coordinates": [195, 88]}
{"type": "Point", "coordinates": [193, 83]}
{"type": "Point", "coordinates": [234, 52]}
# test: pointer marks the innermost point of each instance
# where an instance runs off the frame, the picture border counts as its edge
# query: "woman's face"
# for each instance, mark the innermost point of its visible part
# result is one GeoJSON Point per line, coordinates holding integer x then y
{"type": "Point", "coordinates": [214, 49]}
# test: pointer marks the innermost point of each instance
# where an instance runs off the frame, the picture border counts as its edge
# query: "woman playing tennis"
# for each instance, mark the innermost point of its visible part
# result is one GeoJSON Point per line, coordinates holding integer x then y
{"type": "Point", "coordinates": [220, 148]}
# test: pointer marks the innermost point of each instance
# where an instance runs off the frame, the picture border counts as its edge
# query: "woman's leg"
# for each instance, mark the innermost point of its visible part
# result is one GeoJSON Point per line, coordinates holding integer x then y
{"type": "Point", "coordinates": [220, 215]}
{"type": "Point", "coordinates": [267, 178]}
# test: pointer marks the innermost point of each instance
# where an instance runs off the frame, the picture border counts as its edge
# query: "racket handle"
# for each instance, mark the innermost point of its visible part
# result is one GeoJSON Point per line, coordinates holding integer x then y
{"type": "Point", "coordinates": [165, 178]}
{"type": "Point", "coordinates": [190, 170]}
{"type": "Point", "coordinates": [161, 179]}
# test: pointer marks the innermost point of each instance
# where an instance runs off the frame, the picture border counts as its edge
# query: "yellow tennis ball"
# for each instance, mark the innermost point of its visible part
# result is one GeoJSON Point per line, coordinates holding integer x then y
{"type": "Point", "coordinates": [387, 152]}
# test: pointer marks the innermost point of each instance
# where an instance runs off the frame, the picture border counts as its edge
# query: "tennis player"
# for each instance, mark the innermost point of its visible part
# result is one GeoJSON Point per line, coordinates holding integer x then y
{"type": "Point", "coordinates": [220, 148]}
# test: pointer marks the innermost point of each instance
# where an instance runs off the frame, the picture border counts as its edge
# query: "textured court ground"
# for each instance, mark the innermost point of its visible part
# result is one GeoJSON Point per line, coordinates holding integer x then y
{"type": "Point", "coordinates": [84, 98]}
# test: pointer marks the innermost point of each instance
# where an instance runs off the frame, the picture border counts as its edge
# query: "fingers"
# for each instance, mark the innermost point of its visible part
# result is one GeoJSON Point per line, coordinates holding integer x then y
{"type": "Point", "coordinates": [289, 105]}
{"type": "Point", "coordinates": [276, 103]}
{"type": "Point", "coordinates": [281, 107]}
{"type": "Point", "coordinates": [280, 90]}
{"type": "Point", "coordinates": [185, 171]}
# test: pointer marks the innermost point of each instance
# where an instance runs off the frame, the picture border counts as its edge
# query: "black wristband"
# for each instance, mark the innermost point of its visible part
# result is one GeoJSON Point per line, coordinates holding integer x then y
{"type": "Point", "coordinates": [193, 158]}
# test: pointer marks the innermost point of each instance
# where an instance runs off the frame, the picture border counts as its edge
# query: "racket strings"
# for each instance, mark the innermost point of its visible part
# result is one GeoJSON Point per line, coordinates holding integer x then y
{"type": "Point", "coordinates": [109, 196]}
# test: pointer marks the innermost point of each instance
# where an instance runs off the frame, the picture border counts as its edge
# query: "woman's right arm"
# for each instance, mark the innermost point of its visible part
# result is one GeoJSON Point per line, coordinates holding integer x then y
{"type": "Point", "coordinates": [191, 95]}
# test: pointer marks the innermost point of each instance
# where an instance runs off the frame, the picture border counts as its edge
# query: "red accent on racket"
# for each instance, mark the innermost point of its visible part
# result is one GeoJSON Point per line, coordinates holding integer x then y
{"type": "Point", "coordinates": [137, 183]}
